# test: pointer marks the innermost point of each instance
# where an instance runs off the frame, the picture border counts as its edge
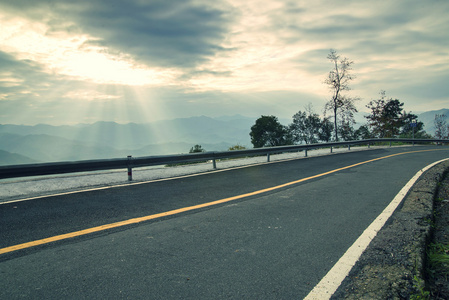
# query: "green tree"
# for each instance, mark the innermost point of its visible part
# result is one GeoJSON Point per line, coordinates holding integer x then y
{"type": "Point", "coordinates": [342, 106]}
{"type": "Point", "coordinates": [197, 149]}
{"type": "Point", "coordinates": [346, 131]}
{"type": "Point", "coordinates": [386, 118]}
{"type": "Point", "coordinates": [305, 127]}
{"type": "Point", "coordinates": [363, 133]}
{"type": "Point", "coordinates": [411, 127]}
{"type": "Point", "coordinates": [325, 131]}
{"type": "Point", "coordinates": [268, 132]}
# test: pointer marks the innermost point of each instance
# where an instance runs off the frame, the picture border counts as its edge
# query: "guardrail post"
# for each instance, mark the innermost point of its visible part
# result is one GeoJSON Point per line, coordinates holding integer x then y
{"type": "Point", "coordinates": [305, 153]}
{"type": "Point", "coordinates": [331, 149]}
{"type": "Point", "coordinates": [130, 170]}
{"type": "Point", "coordinates": [390, 144]}
{"type": "Point", "coordinates": [214, 163]}
{"type": "Point", "coordinates": [349, 147]}
{"type": "Point", "coordinates": [268, 157]}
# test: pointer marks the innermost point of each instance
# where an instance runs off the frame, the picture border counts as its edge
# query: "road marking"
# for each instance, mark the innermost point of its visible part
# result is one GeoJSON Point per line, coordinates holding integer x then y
{"type": "Point", "coordinates": [333, 279]}
{"type": "Point", "coordinates": [181, 210]}
{"type": "Point", "coordinates": [154, 180]}
{"type": "Point", "coordinates": [148, 181]}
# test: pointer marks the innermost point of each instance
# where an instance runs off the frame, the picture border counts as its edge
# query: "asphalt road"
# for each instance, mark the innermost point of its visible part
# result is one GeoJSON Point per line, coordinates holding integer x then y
{"type": "Point", "coordinates": [273, 245]}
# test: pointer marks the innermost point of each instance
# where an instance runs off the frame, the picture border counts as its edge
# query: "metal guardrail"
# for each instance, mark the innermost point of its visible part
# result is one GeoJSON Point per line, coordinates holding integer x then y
{"type": "Point", "coordinates": [25, 170]}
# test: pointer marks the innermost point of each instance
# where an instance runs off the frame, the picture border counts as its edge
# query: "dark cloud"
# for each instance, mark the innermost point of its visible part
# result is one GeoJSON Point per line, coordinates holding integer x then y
{"type": "Point", "coordinates": [397, 24]}
{"type": "Point", "coordinates": [21, 78]}
{"type": "Point", "coordinates": [21, 82]}
{"type": "Point", "coordinates": [177, 33]}
{"type": "Point", "coordinates": [163, 33]}
{"type": "Point", "coordinates": [195, 73]}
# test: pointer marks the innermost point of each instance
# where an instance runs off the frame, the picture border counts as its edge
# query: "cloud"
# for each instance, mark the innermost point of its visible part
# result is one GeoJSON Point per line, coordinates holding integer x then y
{"type": "Point", "coordinates": [70, 55]}
{"type": "Point", "coordinates": [21, 79]}
{"type": "Point", "coordinates": [181, 33]}
{"type": "Point", "coordinates": [90, 95]}
{"type": "Point", "coordinates": [174, 58]}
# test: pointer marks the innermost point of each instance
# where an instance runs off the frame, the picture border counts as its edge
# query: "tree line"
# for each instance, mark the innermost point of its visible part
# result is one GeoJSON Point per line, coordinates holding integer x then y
{"type": "Point", "coordinates": [387, 117]}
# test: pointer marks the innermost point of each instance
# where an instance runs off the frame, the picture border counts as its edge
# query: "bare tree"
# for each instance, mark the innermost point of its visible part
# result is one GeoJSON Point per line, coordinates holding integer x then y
{"type": "Point", "coordinates": [342, 106]}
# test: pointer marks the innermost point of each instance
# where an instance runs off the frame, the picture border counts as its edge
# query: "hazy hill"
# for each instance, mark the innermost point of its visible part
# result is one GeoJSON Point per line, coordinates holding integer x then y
{"type": "Point", "coordinates": [46, 148]}
{"type": "Point", "coordinates": [7, 158]}
{"type": "Point", "coordinates": [428, 119]}
{"type": "Point", "coordinates": [133, 136]}
{"type": "Point", "coordinates": [47, 143]}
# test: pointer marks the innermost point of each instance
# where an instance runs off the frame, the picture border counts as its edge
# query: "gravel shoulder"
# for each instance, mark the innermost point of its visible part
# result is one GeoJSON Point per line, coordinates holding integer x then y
{"type": "Point", "coordinates": [394, 265]}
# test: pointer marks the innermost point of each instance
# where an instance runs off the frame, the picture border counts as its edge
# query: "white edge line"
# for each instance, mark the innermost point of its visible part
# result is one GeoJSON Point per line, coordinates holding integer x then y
{"type": "Point", "coordinates": [333, 279]}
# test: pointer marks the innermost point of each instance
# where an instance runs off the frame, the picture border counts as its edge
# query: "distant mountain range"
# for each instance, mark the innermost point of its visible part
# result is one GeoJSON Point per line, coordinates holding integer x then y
{"type": "Point", "coordinates": [428, 118]}
{"type": "Point", "coordinates": [7, 158]}
{"type": "Point", "coordinates": [45, 143]}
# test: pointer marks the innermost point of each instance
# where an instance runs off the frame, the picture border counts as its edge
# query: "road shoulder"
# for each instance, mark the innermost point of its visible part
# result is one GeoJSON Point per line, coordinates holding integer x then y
{"type": "Point", "coordinates": [392, 267]}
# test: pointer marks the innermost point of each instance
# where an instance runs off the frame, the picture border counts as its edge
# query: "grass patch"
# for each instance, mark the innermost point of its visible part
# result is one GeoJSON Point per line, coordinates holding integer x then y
{"type": "Point", "coordinates": [419, 285]}
{"type": "Point", "coordinates": [438, 260]}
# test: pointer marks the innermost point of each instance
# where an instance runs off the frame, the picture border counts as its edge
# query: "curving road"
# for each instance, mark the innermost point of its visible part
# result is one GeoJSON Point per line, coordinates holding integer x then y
{"type": "Point", "coordinates": [276, 232]}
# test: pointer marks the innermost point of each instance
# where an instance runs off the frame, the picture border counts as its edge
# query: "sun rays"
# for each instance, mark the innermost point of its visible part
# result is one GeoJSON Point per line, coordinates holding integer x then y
{"type": "Point", "coordinates": [75, 55]}
{"type": "Point", "coordinates": [87, 61]}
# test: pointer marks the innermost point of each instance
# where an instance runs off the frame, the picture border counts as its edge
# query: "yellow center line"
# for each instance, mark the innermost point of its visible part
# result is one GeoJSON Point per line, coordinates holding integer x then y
{"type": "Point", "coordinates": [181, 210]}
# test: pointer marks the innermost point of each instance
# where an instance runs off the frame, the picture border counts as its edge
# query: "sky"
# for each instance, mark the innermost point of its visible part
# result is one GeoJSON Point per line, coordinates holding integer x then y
{"type": "Point", "coordinates": [68, 62]}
